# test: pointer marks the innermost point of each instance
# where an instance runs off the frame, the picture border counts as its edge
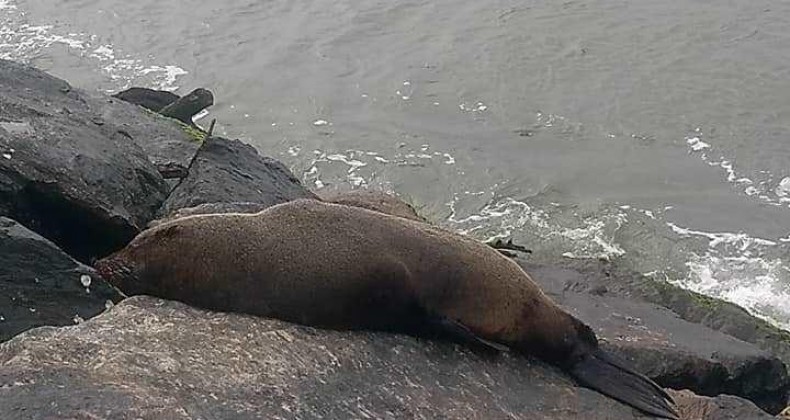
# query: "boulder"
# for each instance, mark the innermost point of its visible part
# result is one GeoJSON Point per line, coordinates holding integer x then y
{"type": "Point", "coordinates": [41, 285]}
{"type": "Point", "coordinates": [150, 358]}
{"type": "Point", "coordinates": [229, 171]}
{"type": "Point", "coordinates": [79, 168]}
{"type": "Point", "coordinates": [618, 280]}
{"type": "Point", "coordinates": [723, 407]}
{"type": "Point", "coordinates": [150, 99]}
{"type": "Point", "coordinates": [672, 351]}
{"type": "Point", "coordinates": [183, 109]}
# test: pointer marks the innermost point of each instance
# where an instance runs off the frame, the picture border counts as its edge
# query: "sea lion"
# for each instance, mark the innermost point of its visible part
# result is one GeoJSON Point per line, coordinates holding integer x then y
{"type": "Point", "coordinates": [375, 200]}
{"type": "Point", "coordinates": [344, 267]}
{"type": "Point", "coordinates": [391, 204]}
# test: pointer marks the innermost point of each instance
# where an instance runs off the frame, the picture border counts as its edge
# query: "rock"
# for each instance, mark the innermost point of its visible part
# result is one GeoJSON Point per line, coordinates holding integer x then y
{"type": "Point", "coordinates": [150, 99]}
{"type": "Point", "coordinates": [714, 313]}
{"type": "Point", "coordinates": [228, 171]}
{"type": "Point", "coordinates": [670, 350]}
{"type": "Point", "coordinates": [68, 169]}
{"type": "Point", "coordinates": [723, 407]}
{"type": "Point", "coordinates": [149, 358]}
{"type": "Point", "coordinates": [168, 143]}
{"type": "Point", "coordinates": [41, 285]}
{"type": "Point", "coordinates": [185, 108]}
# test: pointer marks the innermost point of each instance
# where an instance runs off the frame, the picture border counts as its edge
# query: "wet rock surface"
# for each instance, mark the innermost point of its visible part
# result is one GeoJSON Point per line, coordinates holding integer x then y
{"type": "Point", "coordinates": [713, 313]}
{"type": "Point", "coordinates": [151, 99]}
{"type": "Point", "coordinates": [228, 171]}
{"type": "Point", "coordinates": [41, 285]}
{"type": "Point", "coordinates": [149, 358]}
{"type": "Point", "coordinates": [672, 351]}
{"type": "Point", "coordinates": [81, 169]}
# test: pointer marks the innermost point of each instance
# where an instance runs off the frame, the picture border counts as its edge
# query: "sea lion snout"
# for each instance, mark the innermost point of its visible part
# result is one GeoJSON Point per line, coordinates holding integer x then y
{"type": "Point", "coordinates": [117, 272]}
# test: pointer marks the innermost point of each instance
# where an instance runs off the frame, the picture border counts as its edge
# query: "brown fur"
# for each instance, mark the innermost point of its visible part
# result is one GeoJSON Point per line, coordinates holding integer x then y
{"type": "Point", "coordinates": [341, 267]}
{"type": "Point", "coordinates": [379, 201]}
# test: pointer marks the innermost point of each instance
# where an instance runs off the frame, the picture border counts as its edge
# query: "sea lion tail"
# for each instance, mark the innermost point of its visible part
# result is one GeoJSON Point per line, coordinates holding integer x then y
{"type": "Point", "coordinates": [611, 376]}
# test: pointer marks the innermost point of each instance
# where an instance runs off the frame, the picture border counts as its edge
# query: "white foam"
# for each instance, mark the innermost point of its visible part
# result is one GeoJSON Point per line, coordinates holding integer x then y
{"type": "Point", "coordinates": [740, 240]}
{"type": "Point", "coordinates": [758, 284]}
{"type": "Point", "coordinates": [783, 189]}
{"type": "Point", "coordinates": [594, 238]}
{"type": "Point", "coordinates": [166, 75]}
{"type": "Point", "coordinates": [352, 163]}
{"type": "Point", "coordinates": [477, 107]}
{"type": "Point", "coordinates": [20, 41]}
{"type": "Point", "coordinates": [696, 144]}
{"type": "Point", "coordinates": [776, 196]}
{"type": "Point", "coordinates": [104, 52]}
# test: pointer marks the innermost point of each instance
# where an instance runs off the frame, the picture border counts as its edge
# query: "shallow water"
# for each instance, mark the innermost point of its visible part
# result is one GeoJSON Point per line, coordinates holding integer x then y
{"type": "Point", "coordinates": [654, 131]}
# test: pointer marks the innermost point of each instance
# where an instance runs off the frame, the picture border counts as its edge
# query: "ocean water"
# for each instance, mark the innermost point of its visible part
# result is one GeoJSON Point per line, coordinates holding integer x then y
{"type": "Point", "coordinates": [657, 133]}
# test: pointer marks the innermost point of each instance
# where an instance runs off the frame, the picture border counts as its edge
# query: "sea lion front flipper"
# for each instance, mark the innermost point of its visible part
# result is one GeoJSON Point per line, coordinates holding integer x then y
{"type": "Point", "coordinates": [611, 376]}
{"type": "Point", "coordinates": [460, 331]}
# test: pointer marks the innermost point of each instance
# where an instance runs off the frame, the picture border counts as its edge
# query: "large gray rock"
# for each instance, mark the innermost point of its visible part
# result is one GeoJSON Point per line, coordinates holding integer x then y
{"type": "Point", "coordinates": [79, 168]}
{"type": "Point", "coordinates": [149, 358]}
{"type": "Point", "coordinates": [40, 285]}
{"type": "Point", "coordinates": [229, 171]}
{"type": "Point", "coordinates": [672, 351]}
{"type": "Point", "coordinates": [617, 280]}
{"type": "Point", "coordinates": [150, 99]}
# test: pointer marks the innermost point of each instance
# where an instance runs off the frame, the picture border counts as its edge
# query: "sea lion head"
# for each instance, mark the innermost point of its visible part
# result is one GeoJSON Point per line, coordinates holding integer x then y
{"type": "Point", "coordinates": [137, 268]}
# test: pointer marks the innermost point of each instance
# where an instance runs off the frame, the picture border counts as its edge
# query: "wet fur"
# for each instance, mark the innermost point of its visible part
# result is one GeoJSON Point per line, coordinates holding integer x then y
{"type": "Point", "coordinates": [340, 267]}
{"type": "Point", "coordinates": [379, 201]}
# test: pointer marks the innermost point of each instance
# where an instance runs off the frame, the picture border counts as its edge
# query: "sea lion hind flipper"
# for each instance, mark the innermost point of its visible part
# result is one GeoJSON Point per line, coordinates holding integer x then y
{"type": "Point", "coordinates": [461, 332]}
{"type": "Point", "coordinates": [610, 376]}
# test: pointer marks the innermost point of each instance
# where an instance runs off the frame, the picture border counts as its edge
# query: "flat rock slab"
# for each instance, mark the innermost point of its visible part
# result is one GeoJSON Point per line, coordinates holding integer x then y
{"type": "Point", "coordinates": [150, 358]}
{"type": "Point", "coordinates": [41, 285]}
{"type": "Point", "coordinates": [81, 169]}
{"type": "Point", "coordinates": [670, 350]}
{"type": "Point", "coordinates": [229, 171]}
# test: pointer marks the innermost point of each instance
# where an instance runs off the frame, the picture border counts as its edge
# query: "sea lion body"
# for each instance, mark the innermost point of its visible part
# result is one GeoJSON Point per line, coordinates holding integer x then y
{"type": "Point", "coordinates": [343, 267]}
{"type": "Point", "coordinates": [375, 200]}
{"type": "Point", "coordinates": [336, 266]}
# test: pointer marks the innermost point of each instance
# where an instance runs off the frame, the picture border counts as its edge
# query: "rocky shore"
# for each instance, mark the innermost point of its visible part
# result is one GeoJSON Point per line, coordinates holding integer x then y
{"type": "Point", "coordinates": [81, 174]}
